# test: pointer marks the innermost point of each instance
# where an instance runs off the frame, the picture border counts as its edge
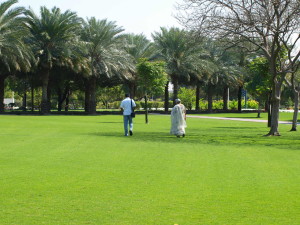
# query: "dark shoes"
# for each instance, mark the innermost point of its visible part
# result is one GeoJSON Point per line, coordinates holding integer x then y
{"type": "Point", "coordinates": [179, 136]}
{"type": "Point", "coordinates": [183, 135]}
{"type": "Point", "coordinates": [130, 132]}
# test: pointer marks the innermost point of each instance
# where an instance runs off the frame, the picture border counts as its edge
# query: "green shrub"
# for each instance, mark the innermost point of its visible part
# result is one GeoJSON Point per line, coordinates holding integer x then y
{"type": "Point", "coordinates": [233, 104]}
{"type": "Point", "coordinates": [252, 104]}
{"type": "Point", "coordinates": [203, 104]}
{"type": "Point", "coordinates": [115, 105]}
{"type": "Point", "coordinates": [155, 105]}
{"type": "Point", "coordinates": [149, 103]}
{"type": "Point", "coordinates": [218, 104]}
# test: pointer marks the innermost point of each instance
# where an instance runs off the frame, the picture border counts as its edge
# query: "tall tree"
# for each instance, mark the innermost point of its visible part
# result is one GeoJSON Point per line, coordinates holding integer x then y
{"type": "Point", "coordinates": [14, 54]}
{"type": "Point", "coordinates": [270, 25]}
{"type": "Point", "coordinates": [138, 46]}
{"type": "Point", "coordinates": [53, 35]}
{"type": "Point", "coordinates": [180, 51]}
{"type": "Point", "coordinates": [106, 56]}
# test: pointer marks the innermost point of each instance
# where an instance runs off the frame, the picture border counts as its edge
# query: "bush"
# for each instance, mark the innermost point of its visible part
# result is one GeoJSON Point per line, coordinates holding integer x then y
{"type": "Point", "coordinates": [233, 104]}
{"type": "Point", "coordinates": [203, 104]}
{"type": "Point", "coordinates": [218, 104]}
{"type": "Point", "coordinates": [115, 105]}
{"type": "Point", "coordinates": [138, 105]}
{"type": "Point", "coordinates": [252, 104]}
{"type": "Point", "coordinates": [149, 103]}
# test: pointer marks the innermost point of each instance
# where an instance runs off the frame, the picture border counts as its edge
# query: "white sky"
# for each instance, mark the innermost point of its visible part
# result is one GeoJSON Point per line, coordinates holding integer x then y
{"type": "Point", "coordinates": [135, 16]}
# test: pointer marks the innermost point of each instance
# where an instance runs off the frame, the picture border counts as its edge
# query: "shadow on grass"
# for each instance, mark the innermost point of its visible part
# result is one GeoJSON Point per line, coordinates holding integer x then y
{"type": "Point", "coordinates": [109, 122]}
{"type": "Point", "coordinates": [248, 117]}
{"type": "Point", "coordinates": [241, 140]}
{"type": "Point", "coordinates": [237, 128]}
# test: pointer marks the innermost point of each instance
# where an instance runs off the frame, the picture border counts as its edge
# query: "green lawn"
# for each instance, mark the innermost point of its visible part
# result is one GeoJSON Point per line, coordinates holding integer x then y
{"type": "Point", "coordinates": [283, 116]}
{"type": "Point", "coordinates": [82, 170]}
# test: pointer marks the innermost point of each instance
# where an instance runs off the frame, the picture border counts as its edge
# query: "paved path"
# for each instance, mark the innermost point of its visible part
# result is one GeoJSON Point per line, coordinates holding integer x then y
{"type": "Point", "coordinates": [237, 119]}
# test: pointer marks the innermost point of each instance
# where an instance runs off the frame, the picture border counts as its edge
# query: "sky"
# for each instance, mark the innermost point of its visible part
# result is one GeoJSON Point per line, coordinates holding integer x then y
{"type": "Point", "coordinates": [135, 16]}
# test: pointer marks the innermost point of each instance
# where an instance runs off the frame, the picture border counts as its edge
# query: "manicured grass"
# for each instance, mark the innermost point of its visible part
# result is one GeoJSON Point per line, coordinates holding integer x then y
{"type": "Point", "coordinates": [82, 170]}
{"type": "Point", "coordinates": [283, 116]}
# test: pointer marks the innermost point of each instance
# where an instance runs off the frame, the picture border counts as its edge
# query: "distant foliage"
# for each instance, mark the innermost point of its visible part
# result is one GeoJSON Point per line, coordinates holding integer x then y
{"type": "Point", "coordinates": [187, 97]}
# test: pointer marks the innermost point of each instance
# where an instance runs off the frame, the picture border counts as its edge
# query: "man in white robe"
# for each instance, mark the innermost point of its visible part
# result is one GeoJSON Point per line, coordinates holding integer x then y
{"type": "Point", "coordinates": [178, 119]}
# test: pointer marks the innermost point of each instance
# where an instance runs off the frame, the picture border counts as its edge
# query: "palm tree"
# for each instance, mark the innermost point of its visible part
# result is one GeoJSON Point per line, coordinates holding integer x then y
{"type": "Point", "coordinates": [53, 34]}
{"type": "Point", "coordinates": [138, 46]}
{"type": "Point", "coordinates": [105, 54]}
{"type": "Point", "coordinates": [14, 54]}
{"type": "Point", "coordinates": [180, 51]}
{"type": "Point", "coordinates": [225, 70]}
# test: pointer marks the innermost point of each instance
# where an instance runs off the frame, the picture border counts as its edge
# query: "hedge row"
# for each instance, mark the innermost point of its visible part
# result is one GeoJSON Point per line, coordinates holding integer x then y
{"type": "Point", "coordinates": [217, 104]}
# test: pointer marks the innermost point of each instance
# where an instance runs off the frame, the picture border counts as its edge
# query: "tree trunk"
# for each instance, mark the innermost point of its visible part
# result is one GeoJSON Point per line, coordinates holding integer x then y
{"type": "Point", "coordinates": [209, 98]}
{"type": "Point", "coordinates": [2, 79]}
{"type": "Point", "coordinates": [67, 103]}
{"type": "Point", "coordinates": [59, 99]}
{"type": "Point", "coordinates": [198, 97]}
{"type": "Point", "coordinates": [240, 99]}
{"type": "Point", "coordinates": [269, 110]}
{"type": "Point", "coordinates": [132, 89]}
{"type": "Point", "coordinates": [45, 81]}
{"type": "Point", "coordinates": [24, 101]}
{"type": "Point", "coordinates": [92, 103]}
{"type": "Point", "coordinates": [87, 97]}
{"type": "Point", "coordinates": [146, 109]}
{"type": "Point", "coordinates": [49, 95]}
{"type": "Point", "coordinates": [225, 97]}
{"type": "Point", "coordinates": [166, 105]}
{"type": "Point", "coordinates": [32, 96]}
{"type": "Point", "coordinates": [258, 109]}
{"type": "Point", "coordinates": [296, 109]}
{"type": "Point", "coordinates": [275, 104]}
{"type": "Point", "coordinates": [175, 88]}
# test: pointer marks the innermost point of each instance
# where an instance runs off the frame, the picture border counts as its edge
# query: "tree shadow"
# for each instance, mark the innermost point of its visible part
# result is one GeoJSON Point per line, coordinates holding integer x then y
{"type": "Point", "coordinates": [109, 122]}
{"type": "Point", "coordinates": [195, 137]}
{"type": "Point", "coordinates": [236, 128]}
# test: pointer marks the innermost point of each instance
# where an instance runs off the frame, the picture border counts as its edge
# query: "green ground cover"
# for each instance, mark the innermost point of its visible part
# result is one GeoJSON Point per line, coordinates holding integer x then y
{"type": "Point", "coordinates": [283, 116]}
{"type": "Point", "coordinates": [82, 170]}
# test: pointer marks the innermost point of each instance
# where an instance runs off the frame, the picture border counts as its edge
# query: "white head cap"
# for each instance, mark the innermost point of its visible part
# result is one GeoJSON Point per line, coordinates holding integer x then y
{"type": "Point", "coordinates": [177, 100]}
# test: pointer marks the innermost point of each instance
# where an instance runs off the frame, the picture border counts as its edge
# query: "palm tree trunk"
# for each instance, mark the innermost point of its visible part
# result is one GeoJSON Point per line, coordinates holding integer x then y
{"type": "Point", "coordinates": [32, 95]}
{"type": "Point", "coordinates": [296, 109]}
{"type": "Point", "coordinates": [225, 97]}
{"type": "Point", "coordinates": [92, 102]}
{"type": "Point", "coordinates": [45, 81]}
{"type": "Point", "coordinates": [87, 96]}
{"type": "Point", "coordinates": [132, 89]}
{"type": "Point", "coordinates": [198, 97]}
{"type": "Point", "coordinates": [59, 99]}
{"type": "Point", "coordinates": [67, 103]}
{"type": "Point", "coordinates": [175, 88]}
{"type": "Point", "coordinates": [2, 79]}
{"type": "Point", "coordinates": [49, 95]}
{"type": "Point", "coordinates": [24, 101]}
{"type": "Point", "coordinates": [166, 104]}
{"type": "Point", "coordinates": [240, 99]}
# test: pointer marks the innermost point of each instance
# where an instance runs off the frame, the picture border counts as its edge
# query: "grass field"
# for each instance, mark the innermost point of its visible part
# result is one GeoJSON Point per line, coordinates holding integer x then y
{"type": "Point", "coordinates": [82, 170]}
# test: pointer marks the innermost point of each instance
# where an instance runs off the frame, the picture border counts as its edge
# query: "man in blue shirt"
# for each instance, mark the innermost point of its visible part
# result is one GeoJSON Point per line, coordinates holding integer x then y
{"type": "Point", "coordinates": [127, 106]}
